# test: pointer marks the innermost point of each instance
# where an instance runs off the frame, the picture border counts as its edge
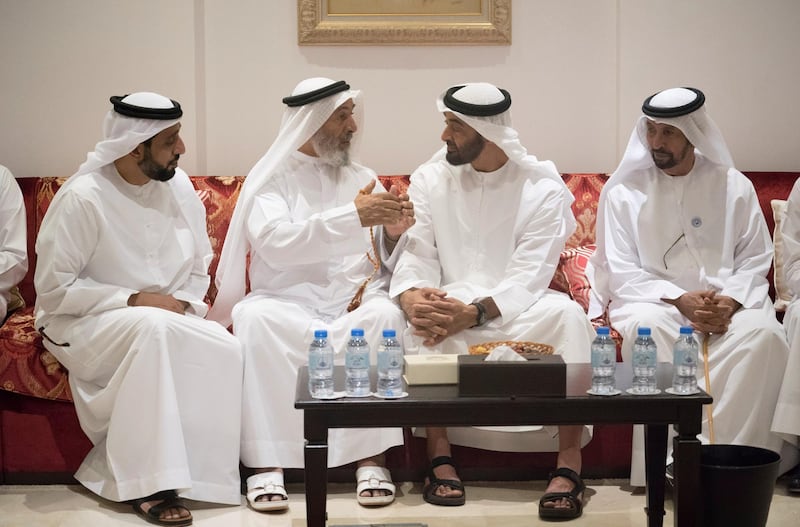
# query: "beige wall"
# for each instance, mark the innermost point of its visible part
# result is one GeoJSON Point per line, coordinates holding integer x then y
{"type": "Point", "coordinates": [577, 70]}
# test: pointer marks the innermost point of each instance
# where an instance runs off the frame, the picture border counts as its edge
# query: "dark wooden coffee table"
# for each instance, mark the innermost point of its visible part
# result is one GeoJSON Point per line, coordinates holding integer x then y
{"type": "Point", "coordinates": [440, 405]}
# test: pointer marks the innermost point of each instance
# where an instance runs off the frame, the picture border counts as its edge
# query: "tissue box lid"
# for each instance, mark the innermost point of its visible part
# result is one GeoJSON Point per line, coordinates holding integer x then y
{"type": "Point", "coordinates": [538, 376]}
{"type": "Point", "coordinates": [431, 369]}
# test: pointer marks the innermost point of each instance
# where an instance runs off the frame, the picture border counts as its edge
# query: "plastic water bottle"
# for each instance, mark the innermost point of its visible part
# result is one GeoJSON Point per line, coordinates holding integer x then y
{"type": "Point", "coordinates": [320, 365]}
{"type": "Point", "coordinates": [604, 362]}
{"type": "Point", "coordinates": [644, 363]}
{"type": "Point", "coordinates": [356, 360]}
{"type": "Point", "coordinates": [390, 365]}
{"type": "Point", "coordinates": [684, 362]}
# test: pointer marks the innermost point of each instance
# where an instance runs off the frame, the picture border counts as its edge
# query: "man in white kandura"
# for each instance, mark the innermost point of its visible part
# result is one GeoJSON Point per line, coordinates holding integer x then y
{"type": "Point", "coordinates": [492, 221]}
{"type": "Point", "coordinates": [322, 240]}
{"type": "Point", "coordinates": [13, 244]}
{"type": "Point", "coordinates": [121, 277]}
{"type": "Point", "coordinates": [787, 412]}
{"type": "Point", "coordinates": [681, 240]}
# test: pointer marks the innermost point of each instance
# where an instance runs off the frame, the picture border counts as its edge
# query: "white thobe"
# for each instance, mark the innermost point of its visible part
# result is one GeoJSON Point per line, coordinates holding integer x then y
{"type": "Point", "coordinates": [665, 236]}
{"type": "Point", "coordinates": [308, 258]}
{"type": "Point", "coordinates": [787, 411]}
{"type": "Point", "coordinates": [157, 393]}
{"type": "Point", "coordinates": [13, 241]}
{"type": "Point", "coordinates": [494, 234]}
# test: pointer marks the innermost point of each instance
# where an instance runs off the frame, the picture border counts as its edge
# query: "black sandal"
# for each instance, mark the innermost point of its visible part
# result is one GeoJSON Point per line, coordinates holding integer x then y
{"type": "Point", "coordinates": [153, 514]}
{"type": "Point", "coordinates": [575, 497]}
{"type": "Point", "coordinates": [429, 491]}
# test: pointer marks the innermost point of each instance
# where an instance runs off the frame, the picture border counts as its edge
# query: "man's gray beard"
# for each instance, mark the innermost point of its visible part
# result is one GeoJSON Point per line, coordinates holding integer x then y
{"type": "Point", "coordinates": [328, 150]}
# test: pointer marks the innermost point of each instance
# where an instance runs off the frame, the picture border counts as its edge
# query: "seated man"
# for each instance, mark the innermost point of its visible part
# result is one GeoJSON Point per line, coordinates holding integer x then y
{"type": "Point", "coordinates": [321, 240]}
{"type": "Point", "coordinates": [787, 412]}
{"type": "Point", "coordinates": [13, 245]}
{"type": "Point", "coordinates": [491, 223]}
{"type": "Point", "coordinates": [682, 241]}
{"type": "Point", "coordinates": [121, 277]}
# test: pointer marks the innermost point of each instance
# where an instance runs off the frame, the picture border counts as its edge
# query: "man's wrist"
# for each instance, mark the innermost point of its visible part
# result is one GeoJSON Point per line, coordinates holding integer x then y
{"type": "Point", "coordinates": [480, 317]}
{"type": "Point", "coordinates": [403, 296]}
{"type": "Point", "coordinates": [389, 238]}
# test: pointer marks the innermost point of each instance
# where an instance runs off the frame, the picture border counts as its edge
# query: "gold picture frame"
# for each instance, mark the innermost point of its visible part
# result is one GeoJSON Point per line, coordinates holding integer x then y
{"type": "Point", "coordinates": [404, 22]}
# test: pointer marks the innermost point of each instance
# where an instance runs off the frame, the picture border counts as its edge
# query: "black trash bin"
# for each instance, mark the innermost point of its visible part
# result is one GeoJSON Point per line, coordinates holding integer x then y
{"type": "Point", "coordinates": [737, 483]}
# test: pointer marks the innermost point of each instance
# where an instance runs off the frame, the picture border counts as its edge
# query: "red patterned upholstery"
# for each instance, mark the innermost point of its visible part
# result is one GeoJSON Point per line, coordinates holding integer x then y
{"type": "Point", "coordinates": [401, 182]}
{"type": "Point", "coordinates": [25, 366]}
{"type": "Point", "coordinates": [219, 195]}
{"type": "Point", "coordinates": [586, 190]}
{"type": "Point", "coordinates": [573, 266]}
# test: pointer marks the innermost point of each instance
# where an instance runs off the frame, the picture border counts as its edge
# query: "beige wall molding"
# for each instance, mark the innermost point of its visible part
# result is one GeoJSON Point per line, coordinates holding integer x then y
{"type": "Point", "coordinates": [404, 22]}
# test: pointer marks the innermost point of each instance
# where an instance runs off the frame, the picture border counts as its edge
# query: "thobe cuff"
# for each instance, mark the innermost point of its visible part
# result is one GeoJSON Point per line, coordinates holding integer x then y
{"type": "Point", "coordinates": [120, 299]}
{"type": "Point", "coordinates": [390, 260]}
{"type": "Point", "coordinates": [511, 301]}
{"type": "Point", "coordinates": [747, 295]}
{"type": "Point", "coordinates": [399, 288]}
{"type": "Point", "coordinates": [196, 307]}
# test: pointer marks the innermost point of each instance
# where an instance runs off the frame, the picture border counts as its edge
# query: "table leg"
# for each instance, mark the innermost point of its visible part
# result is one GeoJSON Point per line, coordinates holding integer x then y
{"type": "Point", "coordinates": [655, 460]}
{"type": "Point", "coordinates": [316, 471]}
{"type": "Point", "coordinates": [686, 451]}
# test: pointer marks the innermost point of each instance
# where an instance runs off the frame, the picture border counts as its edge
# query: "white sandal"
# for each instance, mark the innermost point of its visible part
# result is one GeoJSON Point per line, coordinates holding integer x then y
{"type": "Point", "coordinates": [263, 484]}
{"type": "Point", "coordinates": [374, 478]}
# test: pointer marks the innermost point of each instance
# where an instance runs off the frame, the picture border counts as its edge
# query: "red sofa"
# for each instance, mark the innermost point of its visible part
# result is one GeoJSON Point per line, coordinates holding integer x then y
{"type": "Point", "coordinates": [41, 440]}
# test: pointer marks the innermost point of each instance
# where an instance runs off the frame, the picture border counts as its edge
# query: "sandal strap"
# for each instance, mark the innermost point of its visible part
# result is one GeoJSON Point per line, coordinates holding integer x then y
{"type": "Point", "coordinates": [374, 477]}
{"type": "Point", "coordinates": [571, 475]}
{"type": "Point", "coordinates": [435, 481]}
{"type": "Point", "coordinates": [268, 488]}
{"type": "Point", "coordinates": [442, 460]}
{"type": "Point", "coordinates": [169, 503]}
{"type": "Point", "coordinates": [452, 483]}
{"type": "Point", "coordinates": [160, 495]}
{"type": "Point", "coordinates": [266, 483]}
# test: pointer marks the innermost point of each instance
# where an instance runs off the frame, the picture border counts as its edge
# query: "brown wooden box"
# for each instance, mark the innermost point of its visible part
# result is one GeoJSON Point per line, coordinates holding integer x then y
{"type": "Point", "coordinates": [539, 376]}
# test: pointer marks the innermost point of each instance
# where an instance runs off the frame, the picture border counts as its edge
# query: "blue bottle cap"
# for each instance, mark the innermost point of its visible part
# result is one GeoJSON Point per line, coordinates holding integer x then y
{"type": "Point", "coordinates": [320, 333]}
{"type": "Point", "coordinates": [603, 330]}
{"type": "Point", "coordinates": [389, 333]}
{"type": "Point", "coordinates": [356, 332]}
{"type": "Point", "coordinates": [687, 330]}
{"type": "Point", "coordinates": [644, 331]}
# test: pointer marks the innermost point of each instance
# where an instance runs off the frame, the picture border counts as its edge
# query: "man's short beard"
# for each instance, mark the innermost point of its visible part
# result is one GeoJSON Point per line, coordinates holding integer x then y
{"type": "Point", "coordinates": [329, 149]}
{"type": "Point", "coordinates": [671, 161]}
{"type": "Point", "coordinates": [153, 170]}
{"type": "Point", "coordinates": [468, 152]}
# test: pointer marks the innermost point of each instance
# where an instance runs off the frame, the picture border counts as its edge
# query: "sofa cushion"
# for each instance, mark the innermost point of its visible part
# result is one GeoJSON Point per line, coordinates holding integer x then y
{"type": "Point", "coordinates": [219, 195]}
{"type": "Point", "coordinates": [26, 367]}
{"type": "Point", "coordinates": [573, 267]}
{"type": "Point", "coordinates": [586, 190]}
{"type": "Point", "coordinates": [782, 293]}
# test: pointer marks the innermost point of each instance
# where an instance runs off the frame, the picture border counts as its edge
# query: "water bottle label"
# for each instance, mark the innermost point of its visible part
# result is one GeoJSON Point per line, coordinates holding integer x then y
{"type": "Point", "coordinates": [389, 361]}
{"type": "Point", "coordinates": [603, 360]}
{"type": "Point", "coordinates": [357, 360]}
{"type": "Point", "coordinates": [318, 362]}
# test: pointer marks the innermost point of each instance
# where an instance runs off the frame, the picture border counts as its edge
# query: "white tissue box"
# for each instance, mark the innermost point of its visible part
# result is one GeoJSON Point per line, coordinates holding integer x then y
{"type": "Point", "coordinates": [431, 369]}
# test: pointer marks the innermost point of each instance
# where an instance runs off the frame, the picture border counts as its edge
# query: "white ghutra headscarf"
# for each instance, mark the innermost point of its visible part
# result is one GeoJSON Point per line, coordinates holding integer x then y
{"type": "Point", "coordinates": [312, 102]}
{"type": "Point", "coordinates": [487, 109]}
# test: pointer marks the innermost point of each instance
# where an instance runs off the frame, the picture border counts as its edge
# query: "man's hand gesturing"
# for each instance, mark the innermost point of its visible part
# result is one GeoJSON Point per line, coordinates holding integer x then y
{"type": "Point", "coordinates": [379, 208]}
